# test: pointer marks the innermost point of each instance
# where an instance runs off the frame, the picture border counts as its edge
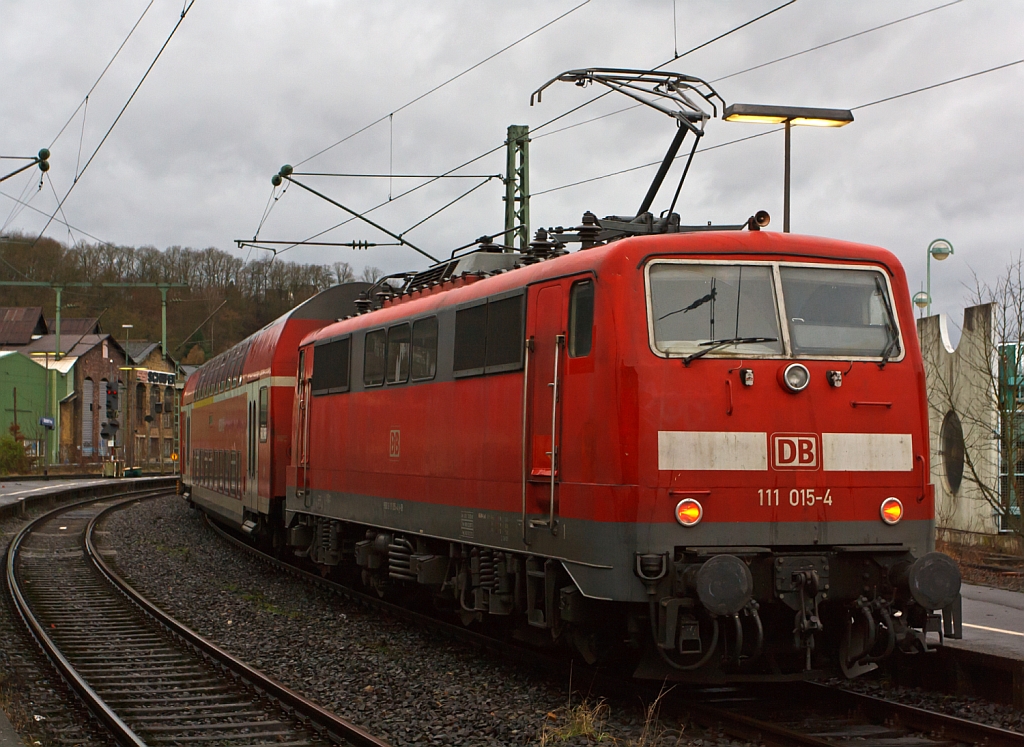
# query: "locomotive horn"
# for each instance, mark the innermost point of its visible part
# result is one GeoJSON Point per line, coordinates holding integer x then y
{"type": "Point", "coordinates": [758, 220]}
{"type": "Point", "coordinates": [724, 585]}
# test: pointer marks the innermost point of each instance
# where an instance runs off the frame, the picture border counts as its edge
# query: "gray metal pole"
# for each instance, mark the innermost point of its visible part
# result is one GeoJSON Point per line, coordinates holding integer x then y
{"type": "Point", "coordinates": [785, 194]}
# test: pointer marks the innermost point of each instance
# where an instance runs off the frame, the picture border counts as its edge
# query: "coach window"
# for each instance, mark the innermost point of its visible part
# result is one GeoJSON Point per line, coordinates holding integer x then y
{"type": "Point", "coordinates": [581, 318]}
{"type": "Point", "coordinates": [399, 340]}
{"type": "Point", "coordinates": [264, 412]}
{"type": "Point", "coordinates": [330, 367]}
{"type": "Point", "coordinates": [424, 349]}
{"type": "Point", "coordinates": [374, 358]}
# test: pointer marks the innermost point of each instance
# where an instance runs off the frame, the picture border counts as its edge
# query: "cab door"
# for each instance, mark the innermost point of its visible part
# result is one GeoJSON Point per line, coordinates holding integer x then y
{"type": "Point", "coordinates": [545, 350]}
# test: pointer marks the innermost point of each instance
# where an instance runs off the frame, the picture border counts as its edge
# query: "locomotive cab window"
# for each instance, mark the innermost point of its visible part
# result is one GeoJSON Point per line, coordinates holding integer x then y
{"type": "Point", "coordinates": [581, 318]}
{"type": "Point", "coordinates": [374, 357]}
{"type": "Point", "coordinates": [399, 343]}
{"type": "Point", "coordinates": [264, 413]}
{"type": "Point", "coordinates": [839, 312]}
{"type": "Point", "coordinates": [424, 349]}
{"type": "Point", "coordinates": [730, 308]}
{"type": "Point", "coordinates": [331, 366]}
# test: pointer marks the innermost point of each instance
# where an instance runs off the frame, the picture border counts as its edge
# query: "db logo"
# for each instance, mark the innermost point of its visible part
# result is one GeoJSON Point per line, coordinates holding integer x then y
{"type": "Point", "coordinates": [795, 450]}
{"type": "Point", "coordinates": [394, 448]}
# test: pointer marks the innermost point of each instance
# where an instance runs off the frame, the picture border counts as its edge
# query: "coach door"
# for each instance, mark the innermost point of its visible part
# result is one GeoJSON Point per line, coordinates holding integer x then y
{"type": "Point", "coordinates": [302, 473]}
{"type": "Point", "coordinates": [251, 452]}
{"type": "Point", "coordinates": [542, 417]}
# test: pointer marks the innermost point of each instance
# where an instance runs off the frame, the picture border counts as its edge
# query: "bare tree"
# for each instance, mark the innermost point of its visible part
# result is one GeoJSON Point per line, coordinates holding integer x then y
{"type": "Point", "coordinates": [371, 274]}
{"type": "Point", "coordinates": [343, 272]}
{"type": "Point", "coordinates": [974, 397]}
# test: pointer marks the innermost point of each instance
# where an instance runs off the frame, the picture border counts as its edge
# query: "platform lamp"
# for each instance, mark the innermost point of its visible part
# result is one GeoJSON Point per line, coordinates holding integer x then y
{"type": "Point", "coordinates": [940, 249]}
{"type": "Point", "coordinates": [787, 115]}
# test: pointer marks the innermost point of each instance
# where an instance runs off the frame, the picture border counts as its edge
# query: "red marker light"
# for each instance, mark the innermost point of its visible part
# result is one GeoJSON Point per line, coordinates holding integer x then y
{"type": "Point", "coordinates": [892, 510]}
{"type": "Point", "coordinates": [689, 512]}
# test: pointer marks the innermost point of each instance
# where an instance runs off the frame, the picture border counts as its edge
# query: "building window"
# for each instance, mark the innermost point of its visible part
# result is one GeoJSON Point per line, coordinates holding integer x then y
{"type": "Point", "coordinates": [374, 358]}
{"type": "Point", "coordinates": [424, 349]}
{"type": "Point", "coordinates": [581, 318]}
{"type": "Point", "coordinates": [140, 404]}
{"type": "Point", "coordinates": [399, 342]}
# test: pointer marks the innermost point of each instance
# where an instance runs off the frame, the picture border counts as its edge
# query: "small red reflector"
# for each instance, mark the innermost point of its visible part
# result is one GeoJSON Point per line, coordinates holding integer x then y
{"type": "Point", "coordinates": [689, 512]}
{"type": "Point", "coordinates": [892, 510]}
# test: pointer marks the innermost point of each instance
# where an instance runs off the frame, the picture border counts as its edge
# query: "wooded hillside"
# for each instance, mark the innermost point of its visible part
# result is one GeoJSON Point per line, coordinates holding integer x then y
{"type": "Point", "coordinates": [248, 294]}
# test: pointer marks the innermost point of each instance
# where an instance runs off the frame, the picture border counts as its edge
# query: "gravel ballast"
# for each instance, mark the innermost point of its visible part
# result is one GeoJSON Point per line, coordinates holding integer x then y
{"type": "Point", "coordinates": [407, 685]}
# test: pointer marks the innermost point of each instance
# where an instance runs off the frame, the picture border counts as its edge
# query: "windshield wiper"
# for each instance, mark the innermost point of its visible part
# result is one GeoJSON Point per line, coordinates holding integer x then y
{"type": "Point", "coordinates": [711, 345]}
{"type": "Point", "coordinates": [890, 326]}
{"type": "Point", "coordinates": [699, 302]}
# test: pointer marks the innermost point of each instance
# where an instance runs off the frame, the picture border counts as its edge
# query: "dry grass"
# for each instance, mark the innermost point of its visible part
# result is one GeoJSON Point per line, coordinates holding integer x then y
{"type": "Point", "coordinates": [588, 720]}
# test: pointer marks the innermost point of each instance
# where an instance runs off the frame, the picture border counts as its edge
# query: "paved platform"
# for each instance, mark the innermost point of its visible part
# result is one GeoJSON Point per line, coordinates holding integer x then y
{"type": "Point", "coordinates": [993, 622]}
{"type": "Point", "coordinates": [15, 491]}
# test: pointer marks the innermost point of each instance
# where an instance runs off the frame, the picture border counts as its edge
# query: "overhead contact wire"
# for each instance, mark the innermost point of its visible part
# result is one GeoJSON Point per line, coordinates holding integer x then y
{"type": "Point", "coordinates": [452, 79]}
{"type": "Point", "coordinates": [117, 119]}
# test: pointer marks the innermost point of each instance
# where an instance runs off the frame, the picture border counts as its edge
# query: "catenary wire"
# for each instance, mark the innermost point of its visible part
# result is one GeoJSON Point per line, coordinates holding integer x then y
{"type": "Point", "coordinates": [445, 83]}
{"type": "Point", "coordinates": [93, 88]}
{"type": "Point", "coordinates": [756, 67]}
{"type": "Point", "coordinates": [780, 129]}
{"type": "Point", "coordinates": [545, 124]}
{"type": "Point", "coordinates": [113, 124]}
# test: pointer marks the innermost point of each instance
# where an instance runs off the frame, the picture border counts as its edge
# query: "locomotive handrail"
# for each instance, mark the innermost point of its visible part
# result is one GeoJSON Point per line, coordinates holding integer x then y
{"type": "Point", "coordinates": [526, 388]}
{"type": "Point", "coordinates": [550, 523]}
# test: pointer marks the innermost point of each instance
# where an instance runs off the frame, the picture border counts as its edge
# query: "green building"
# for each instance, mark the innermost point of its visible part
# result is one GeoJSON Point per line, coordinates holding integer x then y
{"type": "Point", "coordinates": [23, 394]}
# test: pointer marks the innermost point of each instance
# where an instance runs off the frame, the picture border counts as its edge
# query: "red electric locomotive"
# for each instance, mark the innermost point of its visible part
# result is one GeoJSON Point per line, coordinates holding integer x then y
{"type": "Point", "coordinates": [701, 450]}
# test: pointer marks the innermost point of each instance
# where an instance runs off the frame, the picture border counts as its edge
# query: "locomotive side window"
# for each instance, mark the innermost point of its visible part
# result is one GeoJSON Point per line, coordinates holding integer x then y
{"type": "Point", "coordinates": [504, 334]}
{"type": "Point", "coordinates": [489, 336]}
{"type": "Point", "coordinates": [331, 367]}
{"type": "Point", "coordinates": [399, 342]}
{"type": "Point", "coordinates": [424, 349]}
{"type": "Point", "coordinates": [730, 307]}
{"type": "Point", "coordinates": [581, 318]}
{"type": "Point", "coordinates": [470, 339]}
{"type": "Point", "coordinates": [374, 358]}
{"type": "Point", "coordinates": [264, 413]}
{"type": "Point", "coordinates": [839, 312]}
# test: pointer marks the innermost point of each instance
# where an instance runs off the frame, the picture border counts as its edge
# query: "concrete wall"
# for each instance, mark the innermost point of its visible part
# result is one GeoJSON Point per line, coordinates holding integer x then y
{"type": "Point", "coordinates": [963, 380]}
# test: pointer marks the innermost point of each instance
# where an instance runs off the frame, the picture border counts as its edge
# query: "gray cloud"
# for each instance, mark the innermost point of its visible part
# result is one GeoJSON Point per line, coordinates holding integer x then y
{"type": "Point", "coordinates": [246, 87]}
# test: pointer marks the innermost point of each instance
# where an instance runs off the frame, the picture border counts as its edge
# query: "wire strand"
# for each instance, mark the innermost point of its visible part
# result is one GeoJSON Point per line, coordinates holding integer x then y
{"type": "Point", "coordinates": [781, 129]}
{"type": "Point", "coordinates": [93, 88]}
{"type": "Point", "coordinates": [117, 119]}
{"type": "Point", "coordinates": [445, 83]}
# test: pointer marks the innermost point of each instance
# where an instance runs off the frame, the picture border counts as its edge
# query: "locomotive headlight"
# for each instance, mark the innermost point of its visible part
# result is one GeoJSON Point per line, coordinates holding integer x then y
{"type": "Point", "coordinates": [689, 512]}
{"type": "Point", "coordinates": [795, 377]}
{"type": "Point", "coordinates": [892, 510]}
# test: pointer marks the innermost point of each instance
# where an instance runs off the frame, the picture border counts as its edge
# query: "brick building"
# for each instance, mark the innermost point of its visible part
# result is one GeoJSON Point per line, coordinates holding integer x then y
{"type": "Point", "coordinates": [152, 405]}
{"type": "Point", "coordinates": [90, 361]}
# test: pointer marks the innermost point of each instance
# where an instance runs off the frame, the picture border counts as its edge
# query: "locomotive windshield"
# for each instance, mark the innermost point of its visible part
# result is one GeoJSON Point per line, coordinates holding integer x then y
{"type": "Point", "coordinates": [733, 310]}
{"type": "Point", "coordinates": [697, 306]}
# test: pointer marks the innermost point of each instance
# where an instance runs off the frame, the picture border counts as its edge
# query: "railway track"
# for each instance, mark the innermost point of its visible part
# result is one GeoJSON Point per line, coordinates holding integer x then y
{"type": "Point", "coordinates": [147, 678]}
{"type": "Point", "coordinates": [785, 714]}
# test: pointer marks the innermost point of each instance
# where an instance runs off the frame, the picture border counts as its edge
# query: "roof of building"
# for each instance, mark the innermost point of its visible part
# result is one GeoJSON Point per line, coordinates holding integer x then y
{"type": "Point", "coordinates": [18, 324]}
{"type": "Point", "coordinates": [74, 345]}
{"type": "Point", "coordinates": [139, 350]}
{"type": "Point", "coordinates": [75, 326]}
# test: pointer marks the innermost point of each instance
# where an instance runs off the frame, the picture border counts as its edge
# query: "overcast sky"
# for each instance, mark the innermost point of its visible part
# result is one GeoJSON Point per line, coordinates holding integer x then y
{"type": "Point", "coordinates": [245, 87]}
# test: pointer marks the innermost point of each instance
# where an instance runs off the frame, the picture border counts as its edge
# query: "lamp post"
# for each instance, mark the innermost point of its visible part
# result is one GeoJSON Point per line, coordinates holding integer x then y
{"type": "Point", "coordinates": [940, 249]}
{"type": "Point", "coordinates": [787, 115]}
